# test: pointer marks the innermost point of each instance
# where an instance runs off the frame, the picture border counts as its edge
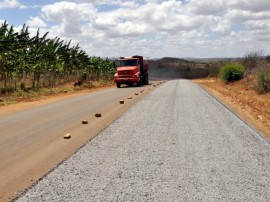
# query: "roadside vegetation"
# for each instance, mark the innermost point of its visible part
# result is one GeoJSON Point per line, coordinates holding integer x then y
{"type": "Point", "coordinates": [258, 70]}
{"type": "Point", "coordinates": [244, 85]}
{"type": "Point", "coordinates": [253, 68]}
{"type": "Point", "coordinates": [232, 72]}
{"type": "Point", "coordinates": [30, 64]}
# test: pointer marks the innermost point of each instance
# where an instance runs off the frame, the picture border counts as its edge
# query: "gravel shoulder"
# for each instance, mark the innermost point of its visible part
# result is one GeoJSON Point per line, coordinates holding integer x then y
{"type": "Point", "coordinates": [241, 97]}
{"type": "Point", "coordinates": [177, 144]}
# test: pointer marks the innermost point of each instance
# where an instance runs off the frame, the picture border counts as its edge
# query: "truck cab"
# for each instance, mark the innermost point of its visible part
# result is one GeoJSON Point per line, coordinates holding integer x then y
{"type": "Point", "coordinates": [130, 71]}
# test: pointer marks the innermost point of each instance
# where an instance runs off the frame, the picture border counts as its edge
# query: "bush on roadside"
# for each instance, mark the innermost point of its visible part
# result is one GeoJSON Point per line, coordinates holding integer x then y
{"type": "Point", "coordinates": [214, 69]}
{"type": "Point", "coordinates": [252, 60]}
{"type": "Point", "coordinates": [263, 79]}
{"type": "Point", "coordinates": [232, 72]}
{"type": "Point", "coordinates": [267, 58]}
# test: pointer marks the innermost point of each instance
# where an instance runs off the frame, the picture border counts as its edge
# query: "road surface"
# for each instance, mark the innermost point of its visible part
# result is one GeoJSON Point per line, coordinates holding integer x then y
{"type": "Point", "coordinates": [177, 144]}
{"type": "Point", "coordinates": [31, 141]}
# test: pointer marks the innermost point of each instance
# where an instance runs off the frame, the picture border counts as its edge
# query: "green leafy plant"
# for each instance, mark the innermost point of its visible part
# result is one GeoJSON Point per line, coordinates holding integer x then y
{"type": "Point", "coordinates": [102, 82]}
{"type": "Point", "coordinates": [263, 80]}
{"type": "Point", "coordinates": [40, 61]}
{"type": "Point", "coordinates": [232, 72]}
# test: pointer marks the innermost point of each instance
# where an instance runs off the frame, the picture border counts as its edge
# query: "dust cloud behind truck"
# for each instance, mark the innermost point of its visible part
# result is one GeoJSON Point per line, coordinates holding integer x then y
{"type": "Point", "coordinates": [131, 70]}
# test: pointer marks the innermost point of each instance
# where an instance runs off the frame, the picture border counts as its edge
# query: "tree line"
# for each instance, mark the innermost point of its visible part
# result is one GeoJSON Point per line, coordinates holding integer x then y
{"type": "Point", "coordinates": [40, 61]}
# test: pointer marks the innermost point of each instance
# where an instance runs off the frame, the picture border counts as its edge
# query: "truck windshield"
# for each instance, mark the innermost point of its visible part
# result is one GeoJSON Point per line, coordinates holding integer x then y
{"type": "Point", "coordinates": [125, 63]}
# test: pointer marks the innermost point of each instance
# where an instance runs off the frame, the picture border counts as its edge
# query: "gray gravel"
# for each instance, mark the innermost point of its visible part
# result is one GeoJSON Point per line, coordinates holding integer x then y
{"type": "Point", "coordinates": [177, 144]}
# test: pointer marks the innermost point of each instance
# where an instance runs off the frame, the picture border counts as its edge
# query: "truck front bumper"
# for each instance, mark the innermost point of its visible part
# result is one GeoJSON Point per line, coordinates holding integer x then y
{"type": "Point", "coordinates": [126, 80]}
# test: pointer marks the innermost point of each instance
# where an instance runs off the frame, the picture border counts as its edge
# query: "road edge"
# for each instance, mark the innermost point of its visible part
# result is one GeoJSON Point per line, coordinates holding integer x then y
{"type": "Point", "coordinates": [242, 118]}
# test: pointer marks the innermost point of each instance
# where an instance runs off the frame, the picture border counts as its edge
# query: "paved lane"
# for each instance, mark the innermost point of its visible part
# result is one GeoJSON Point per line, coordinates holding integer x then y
{"type": "Point", "coordinates": [177, 144]}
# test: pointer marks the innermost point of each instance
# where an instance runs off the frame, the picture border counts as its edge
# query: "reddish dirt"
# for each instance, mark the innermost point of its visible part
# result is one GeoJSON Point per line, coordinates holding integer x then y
{"type": "Point", "coordinates": [26, 103]}
{"type": "Point", "coordinates": [242, 99]}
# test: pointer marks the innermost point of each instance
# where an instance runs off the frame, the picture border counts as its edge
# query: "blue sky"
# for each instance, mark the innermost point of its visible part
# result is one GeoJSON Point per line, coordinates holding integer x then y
{"type": "Point", "coordinates": [153, 28]}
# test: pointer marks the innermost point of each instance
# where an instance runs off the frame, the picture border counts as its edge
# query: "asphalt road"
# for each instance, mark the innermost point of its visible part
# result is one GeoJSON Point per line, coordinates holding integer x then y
{"type": "Point", "coordinates": [177, 144]}
{"type": "Point", "coordinates": [31, 141]}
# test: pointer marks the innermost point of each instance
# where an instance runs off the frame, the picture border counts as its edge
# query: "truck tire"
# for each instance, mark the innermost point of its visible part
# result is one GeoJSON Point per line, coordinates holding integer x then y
{"type": "Point", "coordinates": [118, 85]}
{"type": "Point", "coordinates": [146, 80]}
{"type": "Point", "coordinates": [139, 83]}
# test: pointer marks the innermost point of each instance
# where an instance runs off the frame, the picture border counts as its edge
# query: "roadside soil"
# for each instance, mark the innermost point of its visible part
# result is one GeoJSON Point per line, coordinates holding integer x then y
{"type": "Point", "coordinates": [21, 103]}
{"type": "Point", "coordinates": [243, 100]}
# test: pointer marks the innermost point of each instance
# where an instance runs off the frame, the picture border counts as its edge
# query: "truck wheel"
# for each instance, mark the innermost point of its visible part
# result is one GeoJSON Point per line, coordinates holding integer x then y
{"type": "Point", "coordinates": [118, 85]}
{"type": "Point", "coordinates": [147, 80]}
{"type": "Point", "coordinates": [139, 83]}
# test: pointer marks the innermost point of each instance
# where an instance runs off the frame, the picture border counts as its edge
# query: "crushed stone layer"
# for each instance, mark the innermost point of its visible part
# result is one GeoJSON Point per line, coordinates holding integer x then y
{"type": "Point", "coordinates": [177, 144]}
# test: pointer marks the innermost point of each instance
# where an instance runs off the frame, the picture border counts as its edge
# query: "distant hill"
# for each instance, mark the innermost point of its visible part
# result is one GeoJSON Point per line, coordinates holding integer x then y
{"type": "Point", "coordinates": [172, 60]}
{"type": "Point", "coordinates": [213, 59]}
{"type": "Point", "coordinates": [169, 67]}
{"type": "Point", "coordinates": [200, 60]}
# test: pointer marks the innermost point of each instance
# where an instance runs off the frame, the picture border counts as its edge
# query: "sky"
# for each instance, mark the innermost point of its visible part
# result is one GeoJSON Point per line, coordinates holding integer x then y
{"type": "Point", "coordinates": [152, 28]}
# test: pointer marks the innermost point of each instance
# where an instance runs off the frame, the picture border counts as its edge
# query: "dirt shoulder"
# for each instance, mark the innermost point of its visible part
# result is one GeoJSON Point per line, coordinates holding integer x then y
{"type": "Point", "coordinates": [240, 97]}
{"type": "Point", "coordinates": [45, 99]}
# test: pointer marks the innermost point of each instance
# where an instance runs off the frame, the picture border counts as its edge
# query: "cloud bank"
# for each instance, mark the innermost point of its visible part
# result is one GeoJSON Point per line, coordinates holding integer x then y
{"type": "Point", "coordinates": [157, 28]}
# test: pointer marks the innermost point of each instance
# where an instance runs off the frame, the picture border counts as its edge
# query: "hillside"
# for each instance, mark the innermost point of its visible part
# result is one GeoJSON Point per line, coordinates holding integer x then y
{"type": "Point", "coordinates": [168, 67]}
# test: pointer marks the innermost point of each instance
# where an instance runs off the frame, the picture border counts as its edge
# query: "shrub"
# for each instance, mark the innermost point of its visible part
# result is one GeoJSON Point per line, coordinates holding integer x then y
{"type": "Point", "coordinates": [252, 60]}
{"type": "Point", "coordinates": [263, 80]}
{"type": "Point", "coordinates": [7, 89]}
{"type": "Point", "coordinates": [102, 82]}
{"type": "Point", "coordinates": [23, 86]}
{"type": "Point", "coordinates": [84, 77]}
{"type": "Point", "coordinates": [214, 69]}
{"type": "Point", "coordinates": [232, 72]}
{"type": "Point", "coordinates": [267, 58]}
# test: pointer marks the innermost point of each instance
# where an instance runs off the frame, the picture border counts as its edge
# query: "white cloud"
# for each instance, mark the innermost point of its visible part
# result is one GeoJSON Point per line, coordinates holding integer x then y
{"type": "Point", "coordinates": [68, 11]}
{"type": "Point", "coordinates": [207, 7]}
{"type": "Point", "coordinates": [250, 5]}
{"type": "Point", "coordinates": [159, 27]}
{"type": "Point", "coordinates": [11, 4]}
{"type": "Point", "coordinates": [36, 22]}
{"type": "Point", "coordinates": [259, 25]}
{"type": "Point", "coordinates": [122, 3]}
{"type": "Point", "coordinates": [241, 16]}
{"type": "Point", "coordinates": [105, 21]}
{"type": "Point", "coordinates": [222, 28]}
{"type": "Point", "coordinates": [70, 15]}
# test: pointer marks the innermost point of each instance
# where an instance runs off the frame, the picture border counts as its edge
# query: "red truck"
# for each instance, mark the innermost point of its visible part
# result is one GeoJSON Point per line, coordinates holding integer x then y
{"type": "Point", "coordinates": [131, 70]}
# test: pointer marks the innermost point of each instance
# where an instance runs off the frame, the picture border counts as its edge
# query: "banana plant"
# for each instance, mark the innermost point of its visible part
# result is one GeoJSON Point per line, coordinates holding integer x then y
{"type": "Point", "coordinates": [11, 45]}
{"type": "Point", "coordinates": [39, 56]}
{"type": "Point", "coordinates": [36, 53]}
